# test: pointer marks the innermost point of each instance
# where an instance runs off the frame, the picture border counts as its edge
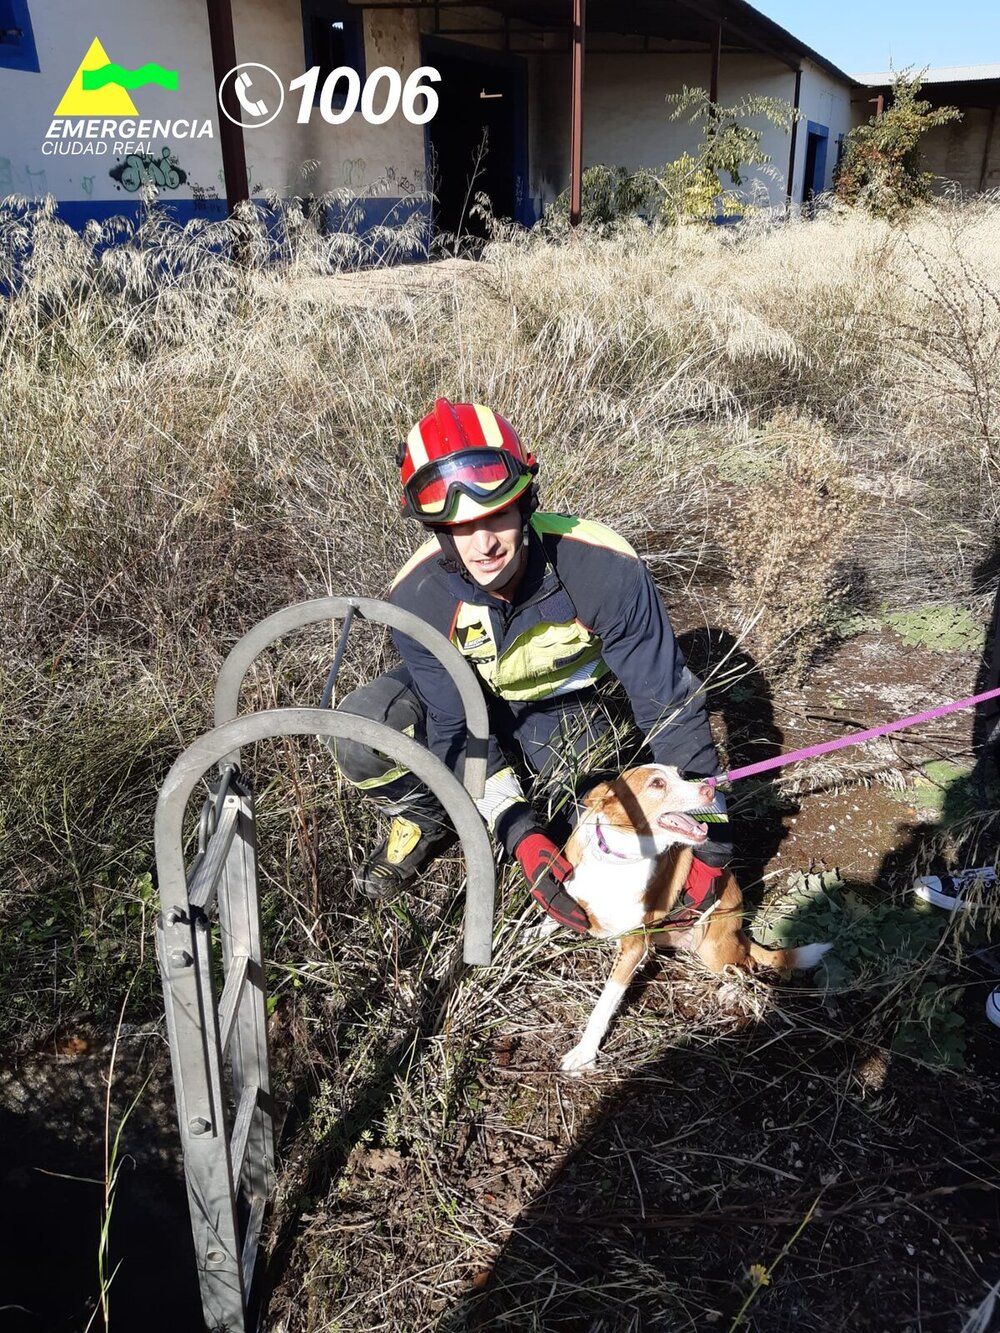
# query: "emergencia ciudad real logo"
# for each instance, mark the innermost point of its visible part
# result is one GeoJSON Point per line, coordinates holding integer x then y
{"type": "Point", "coordinates": [96, 114]}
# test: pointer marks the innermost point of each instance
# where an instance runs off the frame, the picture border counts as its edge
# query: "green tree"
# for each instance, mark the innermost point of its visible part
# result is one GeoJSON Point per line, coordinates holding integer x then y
{"type": "Point", "coordinates": [881, 169]}
{"type": "Point", "coordinates": [690, 188]}
{"type": "Point", "coordinates": [692, 185]}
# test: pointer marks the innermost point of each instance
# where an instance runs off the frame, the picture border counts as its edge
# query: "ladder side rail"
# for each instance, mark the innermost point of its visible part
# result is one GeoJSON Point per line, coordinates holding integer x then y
{"type": "Point", "coordinates": [239, 921]}
{"type": "Point", "coordinates": [184, 953]}
{"type": "Point", "coordinates": [191, 766]}
{"type": "Point", "coordinates": [283, 622]}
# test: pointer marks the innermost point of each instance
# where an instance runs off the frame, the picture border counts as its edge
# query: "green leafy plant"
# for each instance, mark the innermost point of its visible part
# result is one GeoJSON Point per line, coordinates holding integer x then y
{"type": "Point", "coordinates": [881, 169]}
{"type": "Point", "coordinates": [690, 188]}
{"type": "Point", "coordinates": [608, 194]}
{"type": "Point", "coordinates": [692, 185]}
{"type": "Point", "coordinates": [943, 629]}
{"type": "Point", "coordinates": [887, 946]}
{"type": "Point", "coordinates": [948, 794]}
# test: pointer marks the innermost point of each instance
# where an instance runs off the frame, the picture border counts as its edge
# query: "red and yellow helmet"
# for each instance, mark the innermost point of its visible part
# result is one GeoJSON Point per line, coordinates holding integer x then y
{"type": "Point", "coordinates": [461, 462]}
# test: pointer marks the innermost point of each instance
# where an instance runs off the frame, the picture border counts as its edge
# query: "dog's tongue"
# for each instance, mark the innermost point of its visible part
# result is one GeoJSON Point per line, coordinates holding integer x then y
{"type": "Point", "coordinates": [684, 824]}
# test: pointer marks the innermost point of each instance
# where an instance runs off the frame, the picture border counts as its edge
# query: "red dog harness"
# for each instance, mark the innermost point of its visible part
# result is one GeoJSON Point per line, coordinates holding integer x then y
{"type": "Point", "coordinates": [701, 888]}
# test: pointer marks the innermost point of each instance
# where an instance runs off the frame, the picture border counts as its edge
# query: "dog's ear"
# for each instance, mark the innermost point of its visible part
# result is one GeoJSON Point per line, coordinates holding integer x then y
{"type": "Point", "coordinates": [596, 797]}
{"type": "Point", "coordinates": [611, 797]}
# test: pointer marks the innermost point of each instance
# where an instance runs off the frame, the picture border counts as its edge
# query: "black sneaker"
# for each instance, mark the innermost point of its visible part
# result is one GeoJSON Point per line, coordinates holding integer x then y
{"type": "Point", "coordinates": [397, 861]}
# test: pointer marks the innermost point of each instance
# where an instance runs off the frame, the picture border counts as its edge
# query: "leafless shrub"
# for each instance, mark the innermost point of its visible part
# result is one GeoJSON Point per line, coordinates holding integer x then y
{"type": "Point", "coordinates": [786, 538]}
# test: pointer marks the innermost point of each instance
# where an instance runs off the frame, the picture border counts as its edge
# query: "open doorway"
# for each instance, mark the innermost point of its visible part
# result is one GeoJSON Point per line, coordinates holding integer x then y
{"type": "Point", "coordinates": [477, 140]}
{"type": "Point", "coordinates": [815, 173]}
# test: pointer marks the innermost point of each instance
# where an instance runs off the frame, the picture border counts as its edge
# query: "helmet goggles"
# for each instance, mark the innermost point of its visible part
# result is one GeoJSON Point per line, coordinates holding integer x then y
{"type": "Point", "coordinates": [486, 476]}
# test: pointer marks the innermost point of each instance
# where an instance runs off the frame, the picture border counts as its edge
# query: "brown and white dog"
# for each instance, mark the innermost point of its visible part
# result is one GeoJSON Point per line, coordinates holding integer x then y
{"type": "Point", "coordinates": [631, 851]}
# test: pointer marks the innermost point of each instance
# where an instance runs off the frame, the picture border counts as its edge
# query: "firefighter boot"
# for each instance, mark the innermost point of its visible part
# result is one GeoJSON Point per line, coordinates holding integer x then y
{"type": "Point", "coordinates": [415, 838]}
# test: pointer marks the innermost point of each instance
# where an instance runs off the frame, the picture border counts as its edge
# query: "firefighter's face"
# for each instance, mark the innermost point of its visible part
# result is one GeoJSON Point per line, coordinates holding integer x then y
{"type": "Point", "coordinates": [486, 546]}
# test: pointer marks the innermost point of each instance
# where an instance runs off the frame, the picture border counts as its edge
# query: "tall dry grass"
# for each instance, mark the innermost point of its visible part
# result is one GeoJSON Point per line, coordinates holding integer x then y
{"type": "Point", "coordinates": [190, 443]}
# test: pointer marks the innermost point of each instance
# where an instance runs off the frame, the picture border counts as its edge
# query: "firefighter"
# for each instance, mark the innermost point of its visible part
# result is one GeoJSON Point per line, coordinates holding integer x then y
{"type": "Point", "coordinates": [544, 608]}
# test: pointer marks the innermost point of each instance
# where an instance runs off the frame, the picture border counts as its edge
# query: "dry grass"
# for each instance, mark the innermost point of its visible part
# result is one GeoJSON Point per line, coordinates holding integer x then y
{"type": "Point", "coordinates": [787, 539]}
{"type": "Point", "coordinates": [189, 445]}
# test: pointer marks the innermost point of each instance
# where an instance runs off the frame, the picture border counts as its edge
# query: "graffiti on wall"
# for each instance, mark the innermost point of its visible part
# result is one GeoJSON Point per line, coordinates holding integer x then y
{"type": "Point", "coordinates": [353, 169]}
{"type": "Point", "coordinates": [203, 197]}
{"type": "Point", "coordinates": [21, 180]}
{"type": "Point", "coordinates": [143, 169]}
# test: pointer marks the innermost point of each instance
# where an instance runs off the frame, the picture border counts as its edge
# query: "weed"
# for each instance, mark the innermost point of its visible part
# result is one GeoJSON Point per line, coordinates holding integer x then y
{"type": "Point", "coordinates": [881, 168]}
{"type": "Point", "coordinates": [890, 948]}
{"type": "Point", "coordinates": [943, 629]}
{"type": "Point", "coordinates": [787, 574]}
{"type": "Point", "coordinates": [191, 444]}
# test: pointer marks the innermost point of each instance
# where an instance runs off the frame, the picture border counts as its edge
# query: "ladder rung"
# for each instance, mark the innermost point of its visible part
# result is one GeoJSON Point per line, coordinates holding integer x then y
{"type": "Point", "coordinates": [201, 889]}
{"type": "Point", "coordinates": [230, 1002]}
{"type": "Point", "coordinates": [249, 1256]}
{"type": "Point", "coordinates": [241, 1131]}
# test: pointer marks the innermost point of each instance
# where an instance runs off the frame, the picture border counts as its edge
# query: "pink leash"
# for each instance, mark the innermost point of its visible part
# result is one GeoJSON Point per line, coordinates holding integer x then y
{"type": "Point", "coordinates": [855, 738]}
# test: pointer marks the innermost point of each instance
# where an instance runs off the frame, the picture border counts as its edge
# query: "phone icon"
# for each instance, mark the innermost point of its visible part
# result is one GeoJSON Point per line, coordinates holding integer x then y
{"type": "Point", "coordinates": [243, 86]}
{"type": "Point", "coordinates": [248, 109]}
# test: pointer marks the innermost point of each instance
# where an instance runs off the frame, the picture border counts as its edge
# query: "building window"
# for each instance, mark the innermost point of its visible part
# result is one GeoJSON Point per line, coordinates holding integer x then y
{"type": "Point", "coordinates": [333, 37]}
{"type": "Point", "coordinates": [17, 41]}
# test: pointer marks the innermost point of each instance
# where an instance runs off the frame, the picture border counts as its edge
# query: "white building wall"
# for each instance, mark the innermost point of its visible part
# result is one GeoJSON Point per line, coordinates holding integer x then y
{"type": "Point", "coordinates": [63, 31]}
{"type": "Point", "coordinates": [354, 154]}
{"type": "Point", "coordinates": [175, 35]}
{"type": "Point", "coordinates": [627, 120]}
{"type": "Point", "coordinates": [825, 101]}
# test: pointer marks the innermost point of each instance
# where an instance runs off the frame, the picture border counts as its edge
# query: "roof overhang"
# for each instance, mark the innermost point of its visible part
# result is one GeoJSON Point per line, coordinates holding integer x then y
{"type": "Point", "coordinates": [688, 24]}
{"type": "Point", "coordinates": [963, 86]}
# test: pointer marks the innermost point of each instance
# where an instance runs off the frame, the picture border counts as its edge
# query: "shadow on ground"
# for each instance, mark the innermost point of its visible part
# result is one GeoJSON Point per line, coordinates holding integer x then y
{"type": "Point", "coordinates": [52, 1131]}
{"type": "Point", "coordinates": [797, 1140]}
{"type": "Point", "coordinates": [746, 709]}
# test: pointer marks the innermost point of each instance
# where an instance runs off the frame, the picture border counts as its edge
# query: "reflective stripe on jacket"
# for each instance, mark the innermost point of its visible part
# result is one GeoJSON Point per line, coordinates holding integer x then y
{"type": "Point", "coordinates": [586, 605]}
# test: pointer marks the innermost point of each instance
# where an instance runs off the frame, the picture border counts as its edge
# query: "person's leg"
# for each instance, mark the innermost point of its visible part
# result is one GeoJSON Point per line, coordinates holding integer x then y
{"type": "Point", "coordinates": [572, 743]}
{"type": "Point", "coordinates": [420, 828]}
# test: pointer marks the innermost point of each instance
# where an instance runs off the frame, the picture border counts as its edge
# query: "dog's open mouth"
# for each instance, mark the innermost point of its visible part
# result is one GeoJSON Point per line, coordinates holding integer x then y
{"type": "Point", "coordinates": [684, 826]}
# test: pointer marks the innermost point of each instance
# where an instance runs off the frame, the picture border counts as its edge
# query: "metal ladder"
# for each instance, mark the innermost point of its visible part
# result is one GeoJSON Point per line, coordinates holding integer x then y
{"type": "Point", "coordinates": [226, 1123]}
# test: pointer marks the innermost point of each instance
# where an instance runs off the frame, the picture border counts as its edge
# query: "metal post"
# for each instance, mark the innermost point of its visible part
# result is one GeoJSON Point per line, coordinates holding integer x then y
{"type": "Point", "coordinates": [183, 941]}
{"type": "Point", "coordinates": [245, 1031]}
{"type": "Point", "coordinates": [991, 126]}
{"type": "Point", "coordinates": [234, 159]}
{"type": "Point", "coordinates": [790, 183]}
{"type": "Point", "coordinates": [713, 84]}
{"type": "Point", "coordinates": [576, 113]}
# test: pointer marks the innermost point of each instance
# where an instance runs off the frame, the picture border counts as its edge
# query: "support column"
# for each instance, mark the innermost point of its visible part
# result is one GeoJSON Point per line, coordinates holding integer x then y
{"type": "Point", "coordinates": [713, 84]}
{"type": "Point", "coordinates": [234, 158]}
{"type": "Point", "coordinates": [984, 169]}
{"type": "Point", "coordinates": [790, 179]}
{"type": "Point", "coordinates": [576, 113]}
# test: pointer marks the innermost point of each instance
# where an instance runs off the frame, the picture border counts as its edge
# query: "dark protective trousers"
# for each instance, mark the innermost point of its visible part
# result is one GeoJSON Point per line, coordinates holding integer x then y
{"type": "Point", "coordinates": [572, 741]}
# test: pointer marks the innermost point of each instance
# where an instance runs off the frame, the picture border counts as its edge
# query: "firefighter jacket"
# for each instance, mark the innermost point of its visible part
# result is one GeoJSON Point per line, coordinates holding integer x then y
{"type": "Point", "coordinates": [586, 606]}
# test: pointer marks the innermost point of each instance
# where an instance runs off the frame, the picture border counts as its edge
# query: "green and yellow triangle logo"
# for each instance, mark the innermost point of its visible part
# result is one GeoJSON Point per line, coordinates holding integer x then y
{"type": "Point", "coordinates": [110, 100]}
